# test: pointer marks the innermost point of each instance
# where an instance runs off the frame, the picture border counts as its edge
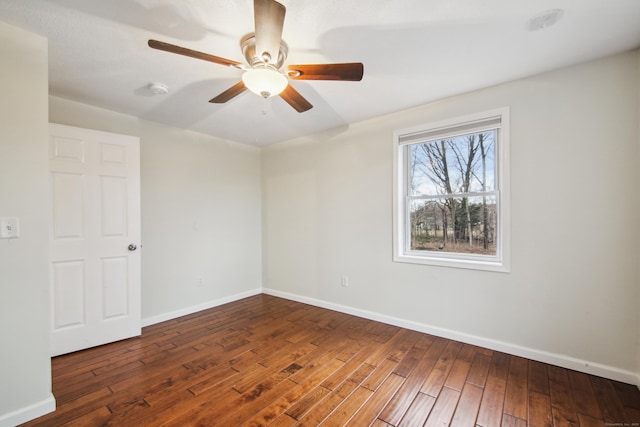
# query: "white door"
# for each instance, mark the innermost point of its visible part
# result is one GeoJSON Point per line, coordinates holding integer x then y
{"type": "Point", "coordinates": [95, 237]}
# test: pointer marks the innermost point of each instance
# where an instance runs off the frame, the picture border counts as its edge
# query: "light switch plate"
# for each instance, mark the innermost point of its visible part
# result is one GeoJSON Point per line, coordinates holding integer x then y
{"type": "Point", "coordinates": [9, 228]}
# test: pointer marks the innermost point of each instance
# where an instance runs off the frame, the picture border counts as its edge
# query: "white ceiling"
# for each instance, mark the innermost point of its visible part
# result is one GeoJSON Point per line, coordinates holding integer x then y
{"type": "Point", "coordinates": [414, 52]}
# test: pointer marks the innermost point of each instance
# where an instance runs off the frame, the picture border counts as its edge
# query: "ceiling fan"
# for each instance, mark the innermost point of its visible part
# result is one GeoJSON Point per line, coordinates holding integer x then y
{"type": "Point", "coordinates": [265, 52]}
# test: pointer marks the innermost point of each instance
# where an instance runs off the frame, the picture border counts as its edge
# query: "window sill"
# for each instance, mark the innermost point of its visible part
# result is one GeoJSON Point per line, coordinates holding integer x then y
{"type": "Point", "coordinates": [444, 261]}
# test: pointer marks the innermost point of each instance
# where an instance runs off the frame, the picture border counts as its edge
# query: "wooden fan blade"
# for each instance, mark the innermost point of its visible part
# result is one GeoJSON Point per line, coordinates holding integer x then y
{"type": "Point", "coordinates": [230, 93]}
{"type": "Point", "coordinates": [269, 20]}
{"type": "Point", "coordinates": [297, 101]}
{"type": "Point", "coordinates": [352, 71]}
{"type": "Point", "coordinates": [167, 47]}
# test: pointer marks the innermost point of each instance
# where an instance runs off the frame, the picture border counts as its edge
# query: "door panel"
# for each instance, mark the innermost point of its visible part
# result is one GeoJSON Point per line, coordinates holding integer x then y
{"type": "Point", "coordinates": [67, 148]}
{"type": "Point", "coordinates": [68, 294]}
{"type": "Point", "coordinates": [115, 283]}
{"type": "Point", "coordinates": [95, 279]}
{"type": "Point", "coordinates": [114, 206]}
{"type": "Point", "coordinates": [67, 205]}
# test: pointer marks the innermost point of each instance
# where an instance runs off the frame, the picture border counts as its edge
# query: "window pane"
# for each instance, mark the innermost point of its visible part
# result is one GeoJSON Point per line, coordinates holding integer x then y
{"type": "Point", "coordinates": [461, 164]}
{"type": "Point", "coordinates": [465, 225]}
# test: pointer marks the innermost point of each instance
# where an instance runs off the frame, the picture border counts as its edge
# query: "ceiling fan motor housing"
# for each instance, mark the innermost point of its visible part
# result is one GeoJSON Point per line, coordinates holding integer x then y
{"type": "Point", "coordinates": [257, 60]}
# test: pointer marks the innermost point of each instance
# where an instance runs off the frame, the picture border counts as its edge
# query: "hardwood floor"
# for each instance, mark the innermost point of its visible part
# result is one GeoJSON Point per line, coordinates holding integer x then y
{"type": "Point", "coordinates": [269, 361]}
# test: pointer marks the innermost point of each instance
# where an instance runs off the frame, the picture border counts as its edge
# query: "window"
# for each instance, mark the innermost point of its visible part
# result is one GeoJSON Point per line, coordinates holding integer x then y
{"type": "Point", "coordinates": [451, 193]}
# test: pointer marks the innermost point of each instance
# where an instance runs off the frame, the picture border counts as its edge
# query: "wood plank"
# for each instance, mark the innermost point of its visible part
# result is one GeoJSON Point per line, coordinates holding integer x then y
{"type": "Point", "coordinates": [347, 409]}
{"type": "Point", "coordinates": [613, 411]}
{"type": "Point", "coordinates": [460, 369]}
{"type": "Point", "coordinates": [94, 418]}
{"type": "Point", "coordinates": [380, 374]}
{"type": "Point", "coordinates": [380, 423]}
{"type": "Point", "coordinates": [76, 408]}
{"type": "Point", "coordinates": [354, 364]}
{"type": "Point", "coordinates": [490, 413]}
{"type": "Point", "coordinates": [442, 411]}
{"type": "Point", "coordinates": [511, 421]}
{"type": "Point", "coordinates": [467, 411]}
{"type": "Point", "coordinates": [283, 420]}
{"type": "Point", "coordinates": [584, 398]}
{"type": "Point", "coordinates": [320, 411]}
{"type": "Point", "coordinates": [166, 376]}
{"type": "Point", "coordinates": [516, 397]}
{"type": "Point", "coordinates": [499, 365]}
{"type": "Point", "coordinates": [247, 404]}
{"type": "Point", "coordinates": [287, 360]}
{"type": "Point", "coordinates": [540, 410]}
{"type": "Point", "coordinates": [348, 352]}
{"type": "Point", "coordinates": [224, 394]}
{"type": "Point", "coordinates": [562, 403]}
{"type": "Point", "coordinates": [538, 378]}
{"type": "Point", "coordinates": [410, 359]}
{"type": "Point", "coordinates": [308, 401]}
{"type": "Point", "coordinates": [394, 411]}
{"type": "Point", "coordinates": [418, 411]}
{"type": "Point", "coordinates": [401, 348]}
{"type": "Point", "coordinates": [378, 400]}
{"type": "Point", "coordinates": [94, 383]}
{"type": "Point", "coordinates": [279, 353]}
{"type": "Point", "coordinates": [633, 414]}
{"type": "Point", "coordinates": [587, 421]}
{"type": "Point", "coordinates": [382, 332]}
{"type": "Point", "coordinates": [493, 398]}
{"type": "Point", "coordinates": [212, 380]}
{"type": "Point", "coordinates": [479, 369]}
{"type": "Point", "coordinates": [437, 377]}
{"type": "Point", "coordinates": [628, 394]}
{"type": "Point", "coordinates": [388, 350]}
{"type": "Point", "coordinates": [295, 394]}
{"type": "Point", "coordinates": [167, 408]}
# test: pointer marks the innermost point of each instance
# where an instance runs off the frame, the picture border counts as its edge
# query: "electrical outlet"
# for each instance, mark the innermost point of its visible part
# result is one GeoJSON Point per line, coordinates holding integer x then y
{"type": "Point", "coordinates": [345, 281]}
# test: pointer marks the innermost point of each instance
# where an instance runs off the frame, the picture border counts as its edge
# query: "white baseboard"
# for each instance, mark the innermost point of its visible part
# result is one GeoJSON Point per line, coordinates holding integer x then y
{"type": "Point", "coordinates": [517, 350]}
{"type": "Point", "coordinates": [194, 309]}
{"type": "Point", "coordinates": [28, 413]}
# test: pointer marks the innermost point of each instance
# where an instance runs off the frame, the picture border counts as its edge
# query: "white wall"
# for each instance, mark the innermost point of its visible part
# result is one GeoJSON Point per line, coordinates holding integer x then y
{"type": "Point", "coordinates": [638, 340]}
{"type": "Point", "coordinates": [572, 294]}
{"type": "Point", "coordinates": [25, 367]}
{"type": "Point", "coordinates": [201, 214]}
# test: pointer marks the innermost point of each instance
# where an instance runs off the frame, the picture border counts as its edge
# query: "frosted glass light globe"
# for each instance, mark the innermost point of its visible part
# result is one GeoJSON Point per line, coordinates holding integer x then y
{"type": "Point", "coordinates": [264, 82]}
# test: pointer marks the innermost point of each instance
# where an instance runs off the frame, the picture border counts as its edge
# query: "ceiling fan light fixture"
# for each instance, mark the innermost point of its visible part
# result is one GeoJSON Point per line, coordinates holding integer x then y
{"type": "Point", "coordinates": [265, 53]}
{"type": "Point", "coordinates": [264, 82]}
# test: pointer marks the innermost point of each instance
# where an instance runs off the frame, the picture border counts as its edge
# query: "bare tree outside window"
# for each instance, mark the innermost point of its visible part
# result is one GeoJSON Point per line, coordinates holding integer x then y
{"type": "Point", "coordinates": [451, 194]}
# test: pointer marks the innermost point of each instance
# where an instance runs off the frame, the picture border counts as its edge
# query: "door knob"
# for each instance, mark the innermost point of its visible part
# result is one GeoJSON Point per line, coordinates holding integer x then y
{"type": "Point", "coordinates": [132, 247]}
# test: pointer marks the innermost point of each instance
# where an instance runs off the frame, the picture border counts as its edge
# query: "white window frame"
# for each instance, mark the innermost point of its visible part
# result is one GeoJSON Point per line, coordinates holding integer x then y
{"type": "Point", "coordinates": [494, 119]}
